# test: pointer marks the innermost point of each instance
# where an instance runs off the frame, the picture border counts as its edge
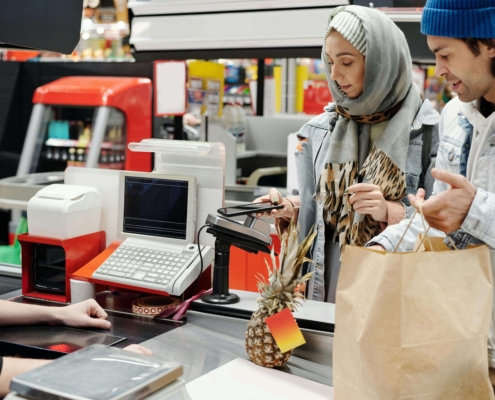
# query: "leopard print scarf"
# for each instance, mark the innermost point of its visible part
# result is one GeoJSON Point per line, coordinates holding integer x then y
{"type": "Point", "coordinates": [373, 118]}
{"type": "Point", "coordinates": [378, 169]}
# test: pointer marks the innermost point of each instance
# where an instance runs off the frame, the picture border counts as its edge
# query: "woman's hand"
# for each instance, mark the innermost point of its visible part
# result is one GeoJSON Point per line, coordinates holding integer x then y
{"type": "Point", "coordinates": [274, 197]}
{"type": "Point", "coordinates": [368, 199]}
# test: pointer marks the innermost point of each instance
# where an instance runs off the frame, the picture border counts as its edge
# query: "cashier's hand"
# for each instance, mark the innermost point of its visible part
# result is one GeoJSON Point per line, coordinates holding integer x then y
{"type": "Point", "coordinates": [275, 197]}
{"type": "Point", "coordinates": [84, 314]}
{"type": "Point", "coordinates": [447, 210]}
{"type": "Point", "coordinates": [368, 199]}
{"type": "Point", "coordinates": [135, 348]}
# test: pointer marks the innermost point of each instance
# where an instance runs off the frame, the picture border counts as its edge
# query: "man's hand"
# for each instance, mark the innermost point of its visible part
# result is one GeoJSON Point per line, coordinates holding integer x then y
{"type": "Point", "coordinates": [84, 314]}
{"type": "Point", "coordinates": [368, 199]}
{"type": "Point", "coordinates": [447, 210]}
{"type": "Point", "coordinates": [275, 197]}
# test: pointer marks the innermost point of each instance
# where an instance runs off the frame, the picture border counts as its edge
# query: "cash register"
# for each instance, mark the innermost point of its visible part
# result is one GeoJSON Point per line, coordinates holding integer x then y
{"type": "Point", "coordinates": [157, 214]}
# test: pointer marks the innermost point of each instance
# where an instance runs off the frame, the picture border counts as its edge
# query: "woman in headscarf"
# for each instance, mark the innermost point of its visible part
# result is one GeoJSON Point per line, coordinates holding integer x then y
{"type": "Point", "coordinates": [371, 147]}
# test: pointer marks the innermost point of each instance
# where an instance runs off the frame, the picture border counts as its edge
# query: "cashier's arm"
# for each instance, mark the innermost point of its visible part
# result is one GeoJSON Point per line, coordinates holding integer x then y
{"type": "Point", "coordinates": [16, 366]}
{"type": "Point", "coordinates": [13, 367]}
{"type": "Point", "coordinates": [85, 314]}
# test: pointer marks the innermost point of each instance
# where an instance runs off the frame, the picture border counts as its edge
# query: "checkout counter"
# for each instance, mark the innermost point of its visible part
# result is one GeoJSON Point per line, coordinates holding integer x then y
{"type": "Point", "coordinates": [207, 337]}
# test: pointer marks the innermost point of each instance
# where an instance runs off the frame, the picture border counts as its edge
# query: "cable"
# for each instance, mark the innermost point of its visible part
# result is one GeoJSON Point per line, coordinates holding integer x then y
{"type": "Point", "coordinates": [201, 260]}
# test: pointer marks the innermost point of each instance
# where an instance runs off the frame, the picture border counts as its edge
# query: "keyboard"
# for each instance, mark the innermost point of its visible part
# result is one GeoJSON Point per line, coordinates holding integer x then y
{"type": "Point", "coordinates": [153, 265]}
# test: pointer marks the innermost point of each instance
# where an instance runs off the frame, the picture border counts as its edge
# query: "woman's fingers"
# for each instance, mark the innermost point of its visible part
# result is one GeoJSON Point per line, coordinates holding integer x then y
{"type": "Point", "coordinates": [362, 187]}
{"type": "Point", "coordinates": [262, 199]}
{"type": "Point", "coordinates": [377, 208]}
{"type": "Point", "coordinates": [356, 196]}
{"type": "Point", "coordinates": [275, 196]}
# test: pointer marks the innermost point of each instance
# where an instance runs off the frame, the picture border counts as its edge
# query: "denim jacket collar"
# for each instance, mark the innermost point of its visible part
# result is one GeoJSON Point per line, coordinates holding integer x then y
{"type": "Point", "coordinates": [427, 115]}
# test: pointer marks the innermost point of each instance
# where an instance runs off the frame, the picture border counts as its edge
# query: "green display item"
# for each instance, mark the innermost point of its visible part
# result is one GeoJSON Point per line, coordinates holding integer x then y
{"type": "Point", "coordinates": [12, 254]}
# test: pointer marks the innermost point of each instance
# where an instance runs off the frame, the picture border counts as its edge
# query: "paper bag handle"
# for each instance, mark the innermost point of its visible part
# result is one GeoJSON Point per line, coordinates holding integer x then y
{"type": "Point", "coordinates": [420, 211]}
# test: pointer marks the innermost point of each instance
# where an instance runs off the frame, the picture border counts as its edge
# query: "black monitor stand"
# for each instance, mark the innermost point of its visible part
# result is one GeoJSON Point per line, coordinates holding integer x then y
{"type": "Point", "coordinates": [244, 236]}
{"type": "Point", "coordinates": [220, 293]}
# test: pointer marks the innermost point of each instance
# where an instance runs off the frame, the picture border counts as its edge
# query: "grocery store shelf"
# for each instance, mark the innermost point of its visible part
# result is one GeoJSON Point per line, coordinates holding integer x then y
{"type": "Point", "coordinates": [16, 191]}
{"type": "Point", "coordinates": [400, 15]}
{"type": "Point", "coordinates": [167, 7]}
{"type": "Point", "coordinates": [262, 33]}
{"type": "Point", "coordinates": [74, 143]}
{"type": "Point", "coordinates": [262, 29]}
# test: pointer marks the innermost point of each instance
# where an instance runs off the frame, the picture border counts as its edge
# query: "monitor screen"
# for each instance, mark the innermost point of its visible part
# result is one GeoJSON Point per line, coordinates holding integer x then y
{"type": "Point", "coordinates": [155, 207]}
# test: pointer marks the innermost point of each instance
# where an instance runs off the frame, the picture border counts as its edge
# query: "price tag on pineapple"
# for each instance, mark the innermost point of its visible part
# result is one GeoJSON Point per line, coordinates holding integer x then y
{"type": "Point", "coordinates": [285, 330]}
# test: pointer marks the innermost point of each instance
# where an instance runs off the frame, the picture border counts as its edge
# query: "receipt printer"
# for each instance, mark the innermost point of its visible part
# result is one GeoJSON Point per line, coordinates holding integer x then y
{"type": "Point", "coordinates": [64, 212]}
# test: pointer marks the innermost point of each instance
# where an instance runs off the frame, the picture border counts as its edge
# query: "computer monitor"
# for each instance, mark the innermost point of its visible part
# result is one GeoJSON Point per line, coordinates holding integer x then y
{"type": "Point", "coordinates": [157, 207]}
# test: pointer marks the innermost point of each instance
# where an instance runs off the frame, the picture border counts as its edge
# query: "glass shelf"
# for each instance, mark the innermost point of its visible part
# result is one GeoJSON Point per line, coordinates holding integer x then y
{"type": "Point", "coordinates": [75, 143]}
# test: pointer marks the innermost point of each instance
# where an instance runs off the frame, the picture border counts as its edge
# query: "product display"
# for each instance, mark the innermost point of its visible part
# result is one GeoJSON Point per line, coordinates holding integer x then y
{"type": "Point", "coordinates": [282, 291]}
{"type": "Point", "coordinates": [153, 305]}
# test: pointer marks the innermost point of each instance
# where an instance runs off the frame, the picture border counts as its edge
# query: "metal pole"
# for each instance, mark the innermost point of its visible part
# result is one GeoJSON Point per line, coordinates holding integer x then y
{"type": "Point", "coordinates": [260, 91]}
{"type": "Point", "coordinates": [291, 85]}
{"type": "Point", "coordinates": [33, 135]}
{"type": "Point", "coordinates": [100, 127]}
{"type": "Point", "coordinates": [178, 128]}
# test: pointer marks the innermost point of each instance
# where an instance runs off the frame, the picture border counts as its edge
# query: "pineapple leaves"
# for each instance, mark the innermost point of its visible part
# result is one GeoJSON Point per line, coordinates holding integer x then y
{"type": "Point", "coordinates": [282, 288]}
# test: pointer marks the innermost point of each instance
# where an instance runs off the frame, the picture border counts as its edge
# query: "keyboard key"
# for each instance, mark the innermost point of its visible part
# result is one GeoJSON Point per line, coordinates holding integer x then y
{"type": "Point", "coordinates": [149, 279]}
{"type": "Point", "coordinates": [148, 264]}
{"type": "Point", "coordinates": [152, 275]}
{"type": "Point", "coordinates": [139, 275]}
{"type": "Point", "coordinates": [116, 273]}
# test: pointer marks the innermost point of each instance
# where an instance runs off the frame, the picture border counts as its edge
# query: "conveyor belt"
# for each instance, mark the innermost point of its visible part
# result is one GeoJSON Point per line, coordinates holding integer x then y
{"type": "Point", "coordinates": [9, 284]}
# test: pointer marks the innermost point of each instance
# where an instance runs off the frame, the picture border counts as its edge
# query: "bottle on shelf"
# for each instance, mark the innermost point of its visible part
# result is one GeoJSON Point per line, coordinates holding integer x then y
{"type": "Point", "coordinates": [81, 156]}
{"type": "Point", "coordinates": [72, 158]}
{"type": "Point", "coordinates": [85, 138]}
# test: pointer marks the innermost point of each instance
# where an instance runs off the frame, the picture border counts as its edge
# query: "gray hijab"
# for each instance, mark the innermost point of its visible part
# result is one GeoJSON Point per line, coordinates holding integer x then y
{"type": "Point", "coordinates": [388, 69]}
{"type": "Point", "coordinates": [387, 85]}
{"type": "Point", "coordinates": [387, 81]}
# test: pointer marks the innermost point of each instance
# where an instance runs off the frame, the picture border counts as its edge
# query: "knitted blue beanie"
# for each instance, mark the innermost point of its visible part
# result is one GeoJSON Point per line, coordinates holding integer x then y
{"type": "Point", "coordinates": [461, 19]}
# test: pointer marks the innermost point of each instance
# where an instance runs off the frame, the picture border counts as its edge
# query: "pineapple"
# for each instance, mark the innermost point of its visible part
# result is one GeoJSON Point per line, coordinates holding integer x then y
{"type": "Point", "coordinates": [280, 292]}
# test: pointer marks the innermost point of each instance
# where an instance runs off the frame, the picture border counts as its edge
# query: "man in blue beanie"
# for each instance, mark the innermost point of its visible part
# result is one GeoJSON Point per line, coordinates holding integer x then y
{"type": "Point", "coordinates": [461, 33]}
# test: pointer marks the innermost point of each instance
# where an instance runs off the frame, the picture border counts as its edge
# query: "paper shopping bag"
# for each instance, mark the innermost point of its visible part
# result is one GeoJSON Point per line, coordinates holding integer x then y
{"type": "Point", "coordinates": [413, 325]}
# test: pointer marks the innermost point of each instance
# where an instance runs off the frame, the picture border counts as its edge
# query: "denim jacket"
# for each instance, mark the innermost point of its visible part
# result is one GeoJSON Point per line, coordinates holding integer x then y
{"type": "Point", "coordinates": [479, 224]}
{"type": "Point", "coordinates": [310, 162]}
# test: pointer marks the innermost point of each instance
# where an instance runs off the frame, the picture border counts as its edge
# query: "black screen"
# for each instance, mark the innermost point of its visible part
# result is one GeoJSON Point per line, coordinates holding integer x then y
{"type": "Point", "coordinates": [155, 207]}
{"type": "Point", "coordinates": [49, 268]}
